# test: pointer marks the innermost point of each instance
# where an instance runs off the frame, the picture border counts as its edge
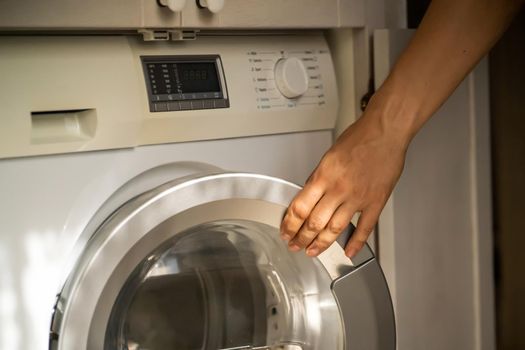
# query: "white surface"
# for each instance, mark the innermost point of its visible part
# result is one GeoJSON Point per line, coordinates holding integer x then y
{"type": "Point", "coordinates": [139, 14]}
{"type": "Point", "coordinates": [435, 233]}
{"type": "Point", "coordinates": [46, 201]}
{"type": "Point", "coordinates": [291, 77]}
{"type": "Point", "coordinates": [380, 14]}
{"type": "Point", "coordinates": [174, 5]}
{"type": "Point", "coordinates": [104, 74]}
{"type": "Point", "coordinates": [256, 107]}
{"type": "Point", "coordinates": [215, 6]}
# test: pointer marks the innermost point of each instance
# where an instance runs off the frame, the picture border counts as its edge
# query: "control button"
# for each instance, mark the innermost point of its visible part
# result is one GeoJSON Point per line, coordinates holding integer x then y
{"type": "Point", "coordinates": [291, 77]}
{"type": "Point", "coordinates": [174, 106]}
{"type": "Point", "coordinates": [173, 5]}
{"type": "Point", "coordinates": [161, 107]}
{"type": "Point", "coordinates": [196, 104]}
{"type": "Point", "coordinates": [207, 104]}
{"type": "Point", "coordinates": [220, 103]}
{"type": "Point", "coordinates": [185, 105]}
{"type": "Point", "coordinates": [215, 6]}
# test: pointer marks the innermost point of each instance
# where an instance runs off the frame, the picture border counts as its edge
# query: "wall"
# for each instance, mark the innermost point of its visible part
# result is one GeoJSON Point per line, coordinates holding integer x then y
{"type": "Point", "coordinates": [508, 151]}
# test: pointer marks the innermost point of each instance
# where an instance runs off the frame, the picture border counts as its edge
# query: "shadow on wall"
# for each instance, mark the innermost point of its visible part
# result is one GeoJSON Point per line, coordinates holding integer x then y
{"type": "Point", "coordinates": [507, 78]}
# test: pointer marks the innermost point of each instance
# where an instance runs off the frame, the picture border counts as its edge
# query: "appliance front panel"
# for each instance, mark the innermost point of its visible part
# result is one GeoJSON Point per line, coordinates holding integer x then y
{"type": "Point", "coordinates": [155, 235]}
{"type": "Point", "coordinates": [47, 202]}
{"type": "Point", "coordinates": [88, 93]}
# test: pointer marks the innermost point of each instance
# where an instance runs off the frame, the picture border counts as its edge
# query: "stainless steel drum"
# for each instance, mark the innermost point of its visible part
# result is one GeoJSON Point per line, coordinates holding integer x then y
{"type": "Point", "coordinates": [197, 263]}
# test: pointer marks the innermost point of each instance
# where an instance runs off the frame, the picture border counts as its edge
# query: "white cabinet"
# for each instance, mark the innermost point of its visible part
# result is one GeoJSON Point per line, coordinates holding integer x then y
{"type": "Point", "coordinates": [71, 14]}
{"type": "Point", "coordinates": [170, 14]}
{"type": "Point", "coordinates": [257, 14]}
{"type": "Point", "coordinates": [435, 233]}
{"type": "Point", "coordinates": [265, 14]}
{"type": "Point", "coordinates": [271, 13]}
{"type": "Point", "coordinates": [156, 16]}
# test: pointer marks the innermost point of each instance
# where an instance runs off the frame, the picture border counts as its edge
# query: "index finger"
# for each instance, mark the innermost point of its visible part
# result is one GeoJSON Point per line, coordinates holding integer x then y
{"type": "Point", "coordinates": [299, 209]}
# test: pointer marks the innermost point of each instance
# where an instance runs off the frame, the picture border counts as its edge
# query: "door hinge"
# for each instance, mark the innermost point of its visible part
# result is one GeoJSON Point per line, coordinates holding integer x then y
{"type": "Point", "coordinates": [366, 97]}
{"type": "Point", "coordinates": [168, 34]}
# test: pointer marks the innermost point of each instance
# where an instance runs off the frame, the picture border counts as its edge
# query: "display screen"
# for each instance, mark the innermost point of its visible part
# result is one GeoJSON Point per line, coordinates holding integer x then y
{"type": "Point", "coordinates": [198, 77]}
{"type": "Point", "coordinates": [183, 77]}
{"type": "Point", "coordinates": [185, 82]}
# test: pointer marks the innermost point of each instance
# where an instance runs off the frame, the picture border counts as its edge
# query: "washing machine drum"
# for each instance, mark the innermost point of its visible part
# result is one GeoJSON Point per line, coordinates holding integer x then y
{"type": "Point", "coordinates": [197, 263]}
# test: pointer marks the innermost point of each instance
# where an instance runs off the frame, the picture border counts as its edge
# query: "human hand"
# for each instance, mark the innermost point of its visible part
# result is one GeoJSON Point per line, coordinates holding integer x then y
{"type": "Point", "coordinates": [356, 175]}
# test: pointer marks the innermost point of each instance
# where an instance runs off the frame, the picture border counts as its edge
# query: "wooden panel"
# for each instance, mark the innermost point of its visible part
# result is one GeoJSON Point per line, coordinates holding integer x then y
{"type": "Point", "coordinates": [435, 234]}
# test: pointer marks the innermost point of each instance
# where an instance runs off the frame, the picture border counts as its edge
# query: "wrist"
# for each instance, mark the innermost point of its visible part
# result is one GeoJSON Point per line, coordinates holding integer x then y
{"type": "Point", "coordinates": [395, 111]}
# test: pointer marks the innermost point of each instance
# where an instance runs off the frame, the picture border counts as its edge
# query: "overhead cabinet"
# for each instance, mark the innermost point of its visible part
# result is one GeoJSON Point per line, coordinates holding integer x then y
{"type": "Point", "coordinates": [70, 14]}
{"type": "Point", "coordinates": [272, 13]}
{"type": "Point", "coordinates": [173, 14]}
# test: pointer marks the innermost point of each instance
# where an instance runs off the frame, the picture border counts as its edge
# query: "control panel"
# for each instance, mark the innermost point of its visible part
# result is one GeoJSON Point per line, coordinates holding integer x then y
{"type": "Point", "coordinates": [176, 83]}
{"type": "Point", "coordinates": [130, 92]}
{"type": "Point", "coordinates": [235, 86]}
{"type": "Point", "coordinates": [287, 79]}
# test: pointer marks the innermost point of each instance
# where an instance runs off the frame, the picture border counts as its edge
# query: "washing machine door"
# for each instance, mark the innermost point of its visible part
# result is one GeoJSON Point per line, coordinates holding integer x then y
{"type": "Point", "coordinates": [197, 263]}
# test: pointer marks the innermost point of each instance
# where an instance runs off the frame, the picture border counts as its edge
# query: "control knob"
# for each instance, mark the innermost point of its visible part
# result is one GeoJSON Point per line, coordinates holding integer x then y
{"type": "Point", "coordinates": [291, 77]}
{"type": "Point", "coordinates": [174, 5]}
{"type": "Point", "coordinates": [214, 6]}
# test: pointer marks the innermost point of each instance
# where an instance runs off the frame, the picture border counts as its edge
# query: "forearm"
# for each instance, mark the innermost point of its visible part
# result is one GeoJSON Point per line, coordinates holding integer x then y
{"type": "Point", "coordinates": [360, 170]}
{"type": "Point", "coordinates": [453, 36]}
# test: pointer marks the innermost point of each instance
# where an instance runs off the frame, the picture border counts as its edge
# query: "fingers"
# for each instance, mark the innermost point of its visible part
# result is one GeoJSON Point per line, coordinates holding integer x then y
{"type": "Point", "coordinates": [299, 210]}
{"type": "Point", "coordinates": [339, 221]}
{"type": "Point", "coordinates": [316, 222]}
{"type": "Point", "coordinates": [365, 226]}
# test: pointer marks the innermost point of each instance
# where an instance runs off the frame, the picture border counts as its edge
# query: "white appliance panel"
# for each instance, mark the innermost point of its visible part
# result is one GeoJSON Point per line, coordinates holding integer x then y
{"type": "Point", "coordinates": [89, 93]}
{"type": "Point", "coordinates": [47, 201]}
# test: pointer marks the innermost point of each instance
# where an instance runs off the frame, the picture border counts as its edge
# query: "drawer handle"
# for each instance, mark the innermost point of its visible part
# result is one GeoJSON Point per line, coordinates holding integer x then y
{"type": "Point", "coordinates": [63, 125]}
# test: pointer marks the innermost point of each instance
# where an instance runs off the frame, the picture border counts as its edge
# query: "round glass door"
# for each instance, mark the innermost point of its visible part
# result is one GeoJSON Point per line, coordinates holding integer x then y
{"type": "Point", "coordinates": [228, 284]}
{"type": "Point", "coordinates": [197, 263]}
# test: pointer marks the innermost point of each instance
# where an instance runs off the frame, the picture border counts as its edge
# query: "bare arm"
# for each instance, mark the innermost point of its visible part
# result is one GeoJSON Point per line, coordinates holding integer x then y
{"type": "Point", "coordinates": [454, 35]}
{"type": "Point", "coordinates": [361, 169]}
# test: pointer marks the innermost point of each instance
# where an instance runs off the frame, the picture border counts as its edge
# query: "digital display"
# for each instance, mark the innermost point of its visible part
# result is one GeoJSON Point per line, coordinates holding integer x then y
{"type": "Point", "coordinates": [183, 77]}
{"type": "Point", "coordinates": [198, 77]}
{"type": "Point", "coordinates": [184, 82]}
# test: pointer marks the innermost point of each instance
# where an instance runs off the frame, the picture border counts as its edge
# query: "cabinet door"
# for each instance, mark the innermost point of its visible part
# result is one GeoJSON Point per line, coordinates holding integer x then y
{"type": "Point", "coordinates": [286, 13]}
{"type": "Point", "coordinates": [155, 15]}
{"type": "Point", "coordinates": [266, 14]}
{"type": "Point", "coordinates": [435, 233]}
{"type": "Point", "coordinates": [71, 14]}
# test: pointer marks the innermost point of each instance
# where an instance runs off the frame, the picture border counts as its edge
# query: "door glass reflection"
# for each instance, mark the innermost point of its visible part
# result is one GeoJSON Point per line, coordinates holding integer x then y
{"type": "Point", "coordinates": [220, 286]}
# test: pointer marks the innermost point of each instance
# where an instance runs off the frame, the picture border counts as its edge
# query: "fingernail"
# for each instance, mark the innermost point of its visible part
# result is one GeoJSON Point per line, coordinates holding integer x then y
{"type": "Point", "coordinates": [312, 251]}
{"type": "Point", "coordinates": [294, 247]}
{"type": "Point", "coordinates": [351, 252]}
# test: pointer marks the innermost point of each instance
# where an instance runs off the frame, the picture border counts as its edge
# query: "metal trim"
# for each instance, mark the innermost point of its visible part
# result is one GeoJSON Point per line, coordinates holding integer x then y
{"type": "Point", "coordinates": [366, 308]}
{"type": "Point", "coordinates": [138, 217]}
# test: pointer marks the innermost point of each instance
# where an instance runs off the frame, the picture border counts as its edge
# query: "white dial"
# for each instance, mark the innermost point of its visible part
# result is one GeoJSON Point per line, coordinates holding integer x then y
{"type": "Point", "coordinates": [174, 5]}
{"type": "Point", "coordinates": [214, 6]}
{"type": "Point", "coordinates": [291, 77]}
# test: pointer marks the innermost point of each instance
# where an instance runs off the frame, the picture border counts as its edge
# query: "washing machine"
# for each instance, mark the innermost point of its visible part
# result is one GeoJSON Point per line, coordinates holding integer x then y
{"type": "Point", "coordinates": [142, 185]}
